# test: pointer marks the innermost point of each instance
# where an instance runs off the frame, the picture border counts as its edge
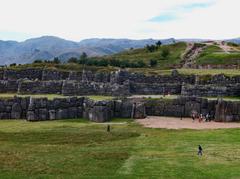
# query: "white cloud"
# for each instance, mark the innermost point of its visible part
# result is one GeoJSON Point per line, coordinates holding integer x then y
{"type": "Point", "coordinates": [79, 19]}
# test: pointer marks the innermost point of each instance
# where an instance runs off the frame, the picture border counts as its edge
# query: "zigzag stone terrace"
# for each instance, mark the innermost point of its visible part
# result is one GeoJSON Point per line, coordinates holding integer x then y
{"type": "Point", "coordinates": [117, 83]}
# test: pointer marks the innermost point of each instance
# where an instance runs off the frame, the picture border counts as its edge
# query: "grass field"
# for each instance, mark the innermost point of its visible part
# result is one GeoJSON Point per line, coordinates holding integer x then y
{"type": "Point", "coordinates": [52, 96]}
{"type": "Point", "coordinates": [80, 149]}
{"type": "Point", "coordinates": [101, 98]}
{"type": "Point", "coordinates": [215, 56]}
{"type": "Point", "coordinates": [187, 71]}
{"type": "Point", "coordinates": [227, 72]}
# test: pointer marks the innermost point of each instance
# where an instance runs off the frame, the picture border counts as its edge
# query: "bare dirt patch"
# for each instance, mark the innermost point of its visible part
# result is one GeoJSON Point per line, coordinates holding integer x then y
{"type": "Point", "coordinates": [185, 123]}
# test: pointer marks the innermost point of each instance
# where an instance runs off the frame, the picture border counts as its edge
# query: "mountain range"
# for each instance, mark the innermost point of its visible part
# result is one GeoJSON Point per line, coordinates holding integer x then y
{"type": "Point", "coordinates": [48, 47]}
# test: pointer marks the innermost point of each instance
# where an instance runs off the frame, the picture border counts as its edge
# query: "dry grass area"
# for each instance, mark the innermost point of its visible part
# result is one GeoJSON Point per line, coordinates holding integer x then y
{"type": "Point", "coordinates": [185, 123]}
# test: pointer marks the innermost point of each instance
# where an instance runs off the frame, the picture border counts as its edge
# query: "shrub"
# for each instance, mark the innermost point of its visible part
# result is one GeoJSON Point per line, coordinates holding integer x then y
{"type": "Point", "coordinates": [56, 60]}
{"type": "Point", "coordinates": [153, 63]}
{"type": "Point", "coordinates": [165, 52]}
{"type": "Point", "coordinates": [151, 48]}
{"type": "Point", "coordinates": [73, 60]}
{"type": "Point", "coordinates": [232, 44]}
{"type": "Point", "coordinates": [159, 43]}
{"type": "Point", "coordinates": [13, 65]}
{"type": "Point", "coordinates": [37, 61]}
{"type": "Point", "coordinates": [141, 64]}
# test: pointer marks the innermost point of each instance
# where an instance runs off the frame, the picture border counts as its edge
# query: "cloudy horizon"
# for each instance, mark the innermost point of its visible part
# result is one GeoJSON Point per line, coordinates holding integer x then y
{"type": "Point", "coordinates": [82, 19]}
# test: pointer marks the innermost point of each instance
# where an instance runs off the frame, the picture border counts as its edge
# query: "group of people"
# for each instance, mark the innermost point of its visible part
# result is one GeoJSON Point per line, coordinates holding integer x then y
{"type": "Point", "coordinates": [201, 117]}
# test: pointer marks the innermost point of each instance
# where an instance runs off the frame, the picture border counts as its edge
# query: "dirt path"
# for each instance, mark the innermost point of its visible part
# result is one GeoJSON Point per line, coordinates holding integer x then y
{"type": "Point", "coordinates": [225, 47]}
{"type": "Point", "coordinates": [189, 56]}
{"type": "Point", "coordinates": [186, 123]}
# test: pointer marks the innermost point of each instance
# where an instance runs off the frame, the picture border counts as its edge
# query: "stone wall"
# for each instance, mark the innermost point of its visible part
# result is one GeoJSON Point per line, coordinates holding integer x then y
{"type": "Point", "coordinates": [220, 111]}
{"type": "Point", "coordinates": [31, 74]}
{"type": "Point", "coordinates": [155, 88]}
{"type": "Point", "coordinates": [40, 87]}
{"type": "Point", "coordinates": [70, 108]}
{"type": "Point", "coordinates": [39, 109]}
{"type": "Point", "coordinates": [8, 86]}
{"type": "Point", "coordinates": [15, 108]}
{"type": "Point", "coordinates": [93, 88]}
{"type": "Point", "coordinates": [227, 111]}
{"type": "Point", "coordinates": [183, 106]}
{"type": "Point", "coordinates": [119, 83]}
{"type": "Point", "coordinates": [211, 90]}
{"type": "Point", "coordinates": [58, 108]}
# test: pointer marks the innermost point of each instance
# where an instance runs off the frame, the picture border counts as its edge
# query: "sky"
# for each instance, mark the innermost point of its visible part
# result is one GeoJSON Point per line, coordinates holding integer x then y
{"type": "Point", "coordinates": [134, 19]}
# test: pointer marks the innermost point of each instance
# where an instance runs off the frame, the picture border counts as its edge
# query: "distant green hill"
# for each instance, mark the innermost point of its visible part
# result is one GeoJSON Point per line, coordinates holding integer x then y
{"type": "Point", "coordinates": [180, 55]}
{"type": "Point", "coordinates": [167, 56]}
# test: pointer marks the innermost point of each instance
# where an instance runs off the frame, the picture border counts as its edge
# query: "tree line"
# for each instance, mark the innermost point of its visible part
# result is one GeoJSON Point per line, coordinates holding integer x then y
{"type": "Point", "coordinates": [84, 60]}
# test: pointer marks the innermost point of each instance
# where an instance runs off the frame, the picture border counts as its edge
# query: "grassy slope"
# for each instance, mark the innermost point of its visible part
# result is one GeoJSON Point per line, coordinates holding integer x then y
{"type": "Point", "coordinates": [142, 54]}
{"type": "Point", "coordinates": [79, 149]}
{"type": "Point", "coordinates": [214, 55]}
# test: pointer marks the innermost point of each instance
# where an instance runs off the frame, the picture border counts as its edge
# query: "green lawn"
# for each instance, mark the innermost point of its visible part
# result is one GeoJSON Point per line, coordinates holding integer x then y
{"type": "Point", "coordinates": [227, 72]}
{"type": "Point", "coordinates": [214, 55]}
{"type": "Point", "coordinates": [52, 96]}
{"type": "Point", "coordinates": [187, 71]}
{"type": "Point", "coordinates": [80, 149]}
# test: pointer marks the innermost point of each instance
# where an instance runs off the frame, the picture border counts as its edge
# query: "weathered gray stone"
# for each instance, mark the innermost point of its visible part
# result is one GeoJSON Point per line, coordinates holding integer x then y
{"type": "Point", "coordinates": [52, 114]}
{"type": "Point", "coordinates": [31, 116]}
{"type": "Point", "coordinates": [16, 111]}
{"type": "Point", "coordinates": [43, 114]}
{"type": "Point", "coordinates": [62, 114]}
{"type": "Point", "coordinates": [139, 111]}
{"type": "Point", "coordinates": [99, 114]}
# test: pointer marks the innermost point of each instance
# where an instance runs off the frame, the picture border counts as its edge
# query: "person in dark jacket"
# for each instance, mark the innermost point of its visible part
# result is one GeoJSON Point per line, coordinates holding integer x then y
{"type": "Point", "coordinates": [108, 128]}
{"type": "Point", "coordinates": [200, 150]}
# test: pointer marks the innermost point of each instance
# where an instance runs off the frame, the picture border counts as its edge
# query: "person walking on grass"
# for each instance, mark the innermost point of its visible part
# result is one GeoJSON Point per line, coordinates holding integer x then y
{"type": "Point", "coordinates": [108, 128]}
{"type": "Point", "coordinates": [200, 150]}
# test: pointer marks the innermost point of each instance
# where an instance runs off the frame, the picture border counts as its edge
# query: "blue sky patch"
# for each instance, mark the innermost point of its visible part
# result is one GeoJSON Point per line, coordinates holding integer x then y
{"type": "Point", "coordinates": [164, 18]}
{"type": "Point", "coordinates": [175, 12]}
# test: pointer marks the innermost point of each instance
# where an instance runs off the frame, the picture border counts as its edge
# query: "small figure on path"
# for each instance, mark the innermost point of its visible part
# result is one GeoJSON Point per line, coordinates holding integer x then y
{"type": "Point", "coordinates": [207, 117]}
{"type": "Point", "coordinates": [108, 128]}
{"type": "Point", "coordinates": [200, 119]}
{"type": "Point", "coordinates": [200, 150]}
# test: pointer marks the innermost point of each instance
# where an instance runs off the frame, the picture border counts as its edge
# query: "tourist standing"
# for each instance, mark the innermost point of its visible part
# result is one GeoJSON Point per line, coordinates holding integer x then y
{"type": "Point", "coordinates": [193, 117]}
{"type": "Point", "coordinates": [207, 117]}
{"type": "Point", "coordinates": [200, 119]}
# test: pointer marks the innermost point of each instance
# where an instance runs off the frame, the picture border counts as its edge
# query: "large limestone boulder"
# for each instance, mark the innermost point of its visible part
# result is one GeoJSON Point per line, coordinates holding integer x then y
{"type": "Point", "coordinates": [99, 114]}
{"type": "Point", "coordinates": [43, 114]}
{"type": "Point", "coordinates": [139, 111]}
{"type": "Point", "coordinates": [62, 114]}
{"type": "Point", "coordinates": [16, 111]}
{"type": "Point", "coordinates": [31, 116]}
{"type": "Point", "coordinates": [52, 114]}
